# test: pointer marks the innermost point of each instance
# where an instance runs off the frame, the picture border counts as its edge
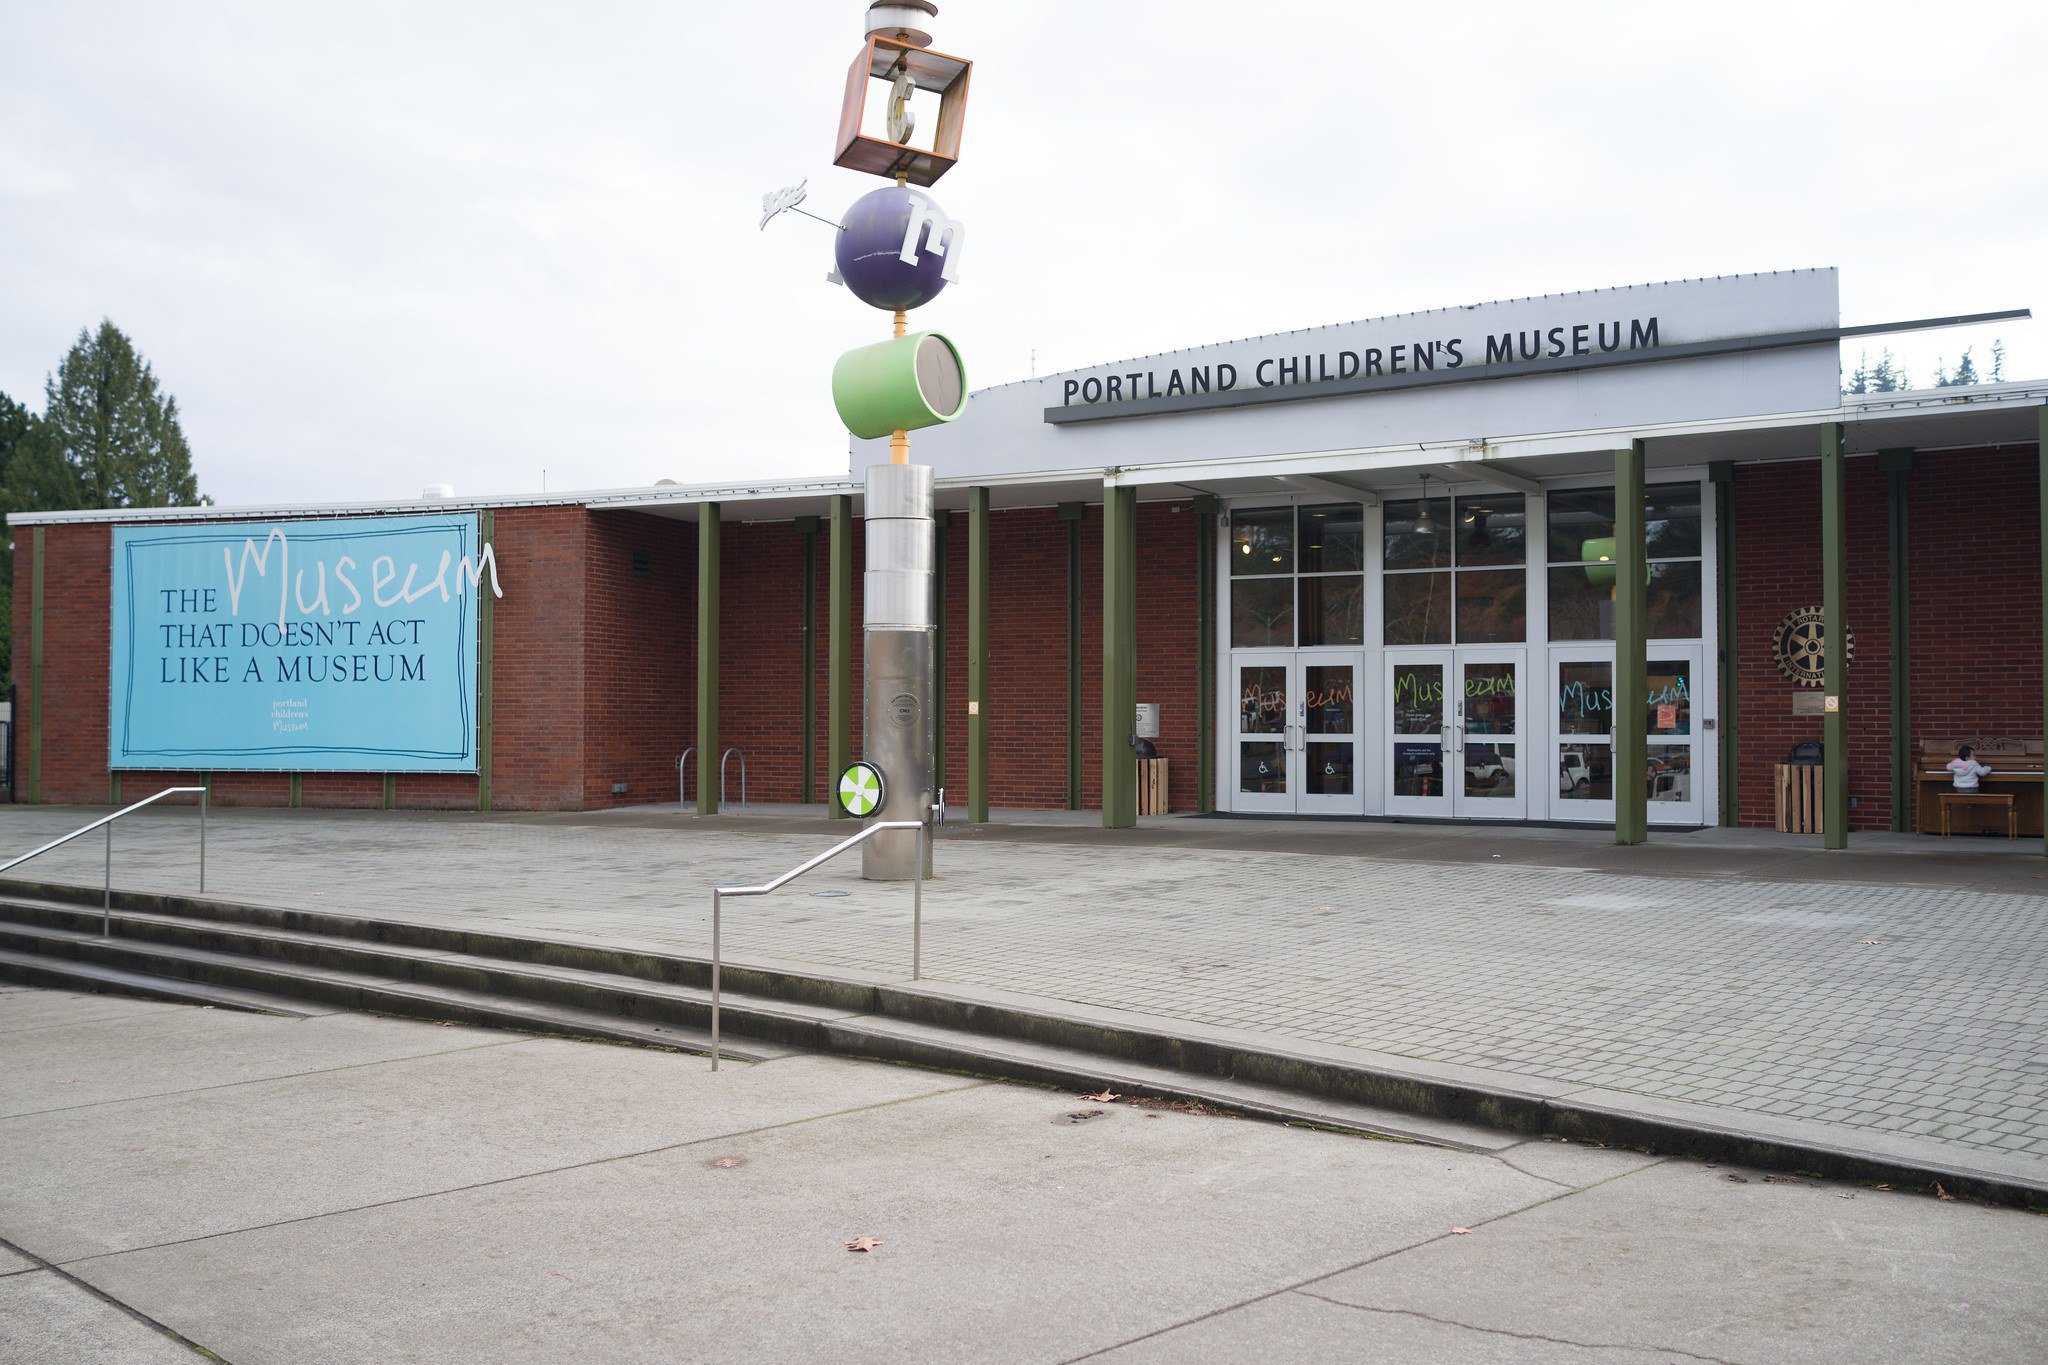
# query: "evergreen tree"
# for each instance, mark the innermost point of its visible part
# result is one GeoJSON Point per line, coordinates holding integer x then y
{"type": "Point", "coordinates": [1859, 378]}
{"type": "Point", "coordinates": [1998, 362]}
{"type": "Point", "coordinates": [106, 420]}
{"type": "Point", "coordinates": [1885, 377]}
{"type": "Point", "coordinates": [1966, 371]}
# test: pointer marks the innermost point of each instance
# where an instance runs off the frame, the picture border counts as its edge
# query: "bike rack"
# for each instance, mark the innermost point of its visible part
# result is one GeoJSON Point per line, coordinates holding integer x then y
{"type": "Point", "coordinates": [719, 893]}
{"type": "Point", "coordinates": [107, 892]}
{"type": "Point", "coordinates": [724, 759]}
{"type": "Point", "coordinates": [682, 795]}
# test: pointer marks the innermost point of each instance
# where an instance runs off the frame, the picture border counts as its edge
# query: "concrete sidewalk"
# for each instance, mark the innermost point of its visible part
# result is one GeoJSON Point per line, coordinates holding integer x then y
{"type": "Point", "coordinates": [339, 1188]}
{"type": "Point", "coordinates": [1908, 1007]}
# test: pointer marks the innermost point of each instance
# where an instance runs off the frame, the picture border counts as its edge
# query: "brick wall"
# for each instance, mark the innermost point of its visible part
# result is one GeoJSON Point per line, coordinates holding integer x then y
{"type": "Point", "coordinates": [538, 679]}
{"type": "Point", "coordinates": [1976, 615]}
{"type": "Point", "coordinates": [594, 663]}
{"type": "Point", "coordinates": [637, 668]}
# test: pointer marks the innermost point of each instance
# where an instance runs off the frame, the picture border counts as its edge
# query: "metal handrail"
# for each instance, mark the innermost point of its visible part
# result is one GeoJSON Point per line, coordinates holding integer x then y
{"type": "Point", "coordinates": [719, 893]}
{"type": "Point", "coordinates": [107, 901]}
{"type": "Point", "coordinates": [724, 759]}
{"type": "Point", "coordinates": [682, 793]}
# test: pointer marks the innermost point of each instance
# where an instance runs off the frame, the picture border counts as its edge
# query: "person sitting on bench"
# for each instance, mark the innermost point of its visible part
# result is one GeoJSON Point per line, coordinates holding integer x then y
{"type": "Point", "coordinates": [1966, 769]}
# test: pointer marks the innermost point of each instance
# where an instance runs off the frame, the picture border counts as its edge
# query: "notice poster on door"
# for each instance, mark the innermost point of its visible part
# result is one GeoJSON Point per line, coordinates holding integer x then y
{"type": "Point", "coordinates": [342, 645]}
{"type": "Point", "coordinates": [1667, 717]}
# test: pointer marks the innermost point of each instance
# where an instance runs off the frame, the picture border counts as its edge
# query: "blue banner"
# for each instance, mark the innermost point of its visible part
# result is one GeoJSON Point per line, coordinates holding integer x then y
{"type": "Point", "coordinates": [346, 645]}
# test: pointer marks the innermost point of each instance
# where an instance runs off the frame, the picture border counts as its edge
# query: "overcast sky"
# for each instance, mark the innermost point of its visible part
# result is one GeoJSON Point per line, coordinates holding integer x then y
{"type": "Point", "coordinates": [374, 246]}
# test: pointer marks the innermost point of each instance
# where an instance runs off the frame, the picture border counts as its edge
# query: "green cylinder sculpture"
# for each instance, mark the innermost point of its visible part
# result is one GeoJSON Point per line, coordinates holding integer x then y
{"type": "Point", "coordinates": [900, 384]}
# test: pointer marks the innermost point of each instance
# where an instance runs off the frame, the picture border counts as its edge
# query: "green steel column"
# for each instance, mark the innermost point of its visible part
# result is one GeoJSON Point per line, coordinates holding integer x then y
{"type": "Point", "coordinates": [707, 658]}
{"type": "Point", "coordinates": [938, 649]}
{"type": "Point", "coordinates": [807, 527]}
{"type": "Point", "coordinates": [390, 791]}
{"type": "Point", "coordinates": [1897, 466]}
{"type": "Point", "coordinates": [2041, 452]}
{"type": "Point", "coordinates": [1722, 473]}
{"type": "Point", "coordinates": [1073, 513]}
{"type": "Point", "coordinates": [486, 613]}
{"type": "Point", "coordinates": [977, 655]}
{"type": "Point", "coordinates": [839, 654]}
{"type": "Point", "coordinates": [1834, 587]}
{"type": "Point", "coordinates": [1205, 653]}
{"type": "Point", "coordinates": [35, 669]}
{"type": "Point", "coordinates": [1119, 656]}
{"type": "Point", "coordinates": [114, 787]}
{"type": "Point", "coordinates": [1631, 629]}
{"type": "Point", "coordinates": [298, 793]}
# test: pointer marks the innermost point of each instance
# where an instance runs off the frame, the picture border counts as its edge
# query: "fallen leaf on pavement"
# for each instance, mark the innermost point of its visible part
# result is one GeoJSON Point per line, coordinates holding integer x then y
{"type": "Point", "coordinates": [1738, 1179]}
{"type": "Point", "coordinates": [864, 1244]}
{"type": "Point", "coordinates": [1461, 1232]}
{"type": "Point", "coordinates": [1943, 1195]}
{"type": "Point", "coordinates": [1870, 942]}
{"type": "Point", "coordinates": [1104, 1098]}
{"type": "Point", "coordinates": [726, 1163]}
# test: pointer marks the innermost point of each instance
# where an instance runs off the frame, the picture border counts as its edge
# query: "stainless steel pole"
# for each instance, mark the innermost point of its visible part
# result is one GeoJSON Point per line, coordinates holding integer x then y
{"type": "Point", "coordinates": [202, 842]}
{"type": "Point", "coordinates": [917, 908]}
{"type": "Point", "coordinates": [897, 632]}
{"type": "Point", "coordinates": [715, 908]}
{"type": "Point", "coordinates": [107, 901]}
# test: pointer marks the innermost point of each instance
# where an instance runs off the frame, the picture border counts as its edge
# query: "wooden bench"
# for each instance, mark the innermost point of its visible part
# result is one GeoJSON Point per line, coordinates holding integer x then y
{"type": "Point", "coordinates": [1951, 799]}
{"type": "Point", "coordinates": [2014, 784]}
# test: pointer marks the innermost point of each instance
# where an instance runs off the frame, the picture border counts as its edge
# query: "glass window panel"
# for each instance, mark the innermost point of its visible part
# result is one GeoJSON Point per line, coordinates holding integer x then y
{"type": "Point", "coordinates": [1667, 708]}
{"type": "Point", "coordinates": [1329, 770]}
{"type": "Point", "coordinates": [1262, 699]}
{"type": "Point", "coordinates": [1490, 770]}
{"type": "Point", "coordinates": [1674, 606]}
{"type": "Point", "coordinates": [1671, 522]}
{"type": "Point", "coordinates": [1333, 610]}
{"type": "Point", "coordinates": [1262, 541]}
{"type": "Point", "coordinates": [1332, 539]}
{"type": "Point", "coordinates": [1418, 700]}
{"type": "Point", "coordinates": [1329, 707]}
{"type": "Point", "coordinates": [1582, 602]}
{"type": "Point", "coordinates": [1418, 608]}
{"type": "Point", "coordinates": [1585, 772]}
{"type": "Point", "coordinates": [1418, 769]}
{"type": "Point", "coordinates": [1262, 612]}
{"type": "Point", "coordinates": [1578, 515]}
{"type": "Point", "coordinates": [1585, 698]}
{"type": "Point", "coordinates": [1410, 548]}
{"type": "Point", "coordinates": [1492, 606]}
{"type": "Point", "coordinates": [1670, 772]}
{"type": "Point", "coordinates": [1262, 766]}
{"type": "Point", "coordinates": [1671, 526]}
{"type": "Point", "coordinates": [1491, 530]}
{"type": "Point", "coordinates": [1490, 699]}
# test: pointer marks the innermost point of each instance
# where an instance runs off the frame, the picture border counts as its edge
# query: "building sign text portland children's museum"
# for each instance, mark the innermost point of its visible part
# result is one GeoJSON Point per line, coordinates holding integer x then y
{"type": "Point", "coordinates": [345, 645]}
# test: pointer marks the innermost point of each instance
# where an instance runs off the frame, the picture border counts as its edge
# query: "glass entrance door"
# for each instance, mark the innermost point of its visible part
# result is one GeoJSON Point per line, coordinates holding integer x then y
{"type": "Point", "coordinates": [1418, 721]}
{"type": "Point", "coordinates": [1487, 711]}
{"type": "Point", "coordinates": [1262, 749]}
{"type": "Point", "coordinates": [1298, 737]}
{"type": "Point", "coordinates": [1329, 735]}
{"type": "Point", "coordinates": [1584, 745]}
{"type": "Point", "coordinates": [1455, 739]}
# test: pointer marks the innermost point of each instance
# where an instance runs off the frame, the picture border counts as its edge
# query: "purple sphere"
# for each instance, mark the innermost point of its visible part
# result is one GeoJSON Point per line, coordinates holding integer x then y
{"type": "Point", "coordinates": [869, 251]}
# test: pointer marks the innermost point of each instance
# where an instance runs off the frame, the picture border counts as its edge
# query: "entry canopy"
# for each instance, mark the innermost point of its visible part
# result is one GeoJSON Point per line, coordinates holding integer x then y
{"type": "Point", "coordinates": [1544, 380]}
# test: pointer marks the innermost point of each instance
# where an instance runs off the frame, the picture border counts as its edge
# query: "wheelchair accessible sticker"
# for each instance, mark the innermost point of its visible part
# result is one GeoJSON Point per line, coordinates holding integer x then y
{"type": "Point", "coordinates": [860, 789]}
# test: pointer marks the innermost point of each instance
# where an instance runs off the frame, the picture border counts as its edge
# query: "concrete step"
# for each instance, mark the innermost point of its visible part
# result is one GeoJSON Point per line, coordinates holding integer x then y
{"type": "Point", "coordinates": [36, 969]}
{"type": "Point", "coordinates": [204, 973]}
{"type": "Point", "coordinates": [587, 988]}
{"type": "Point", "coordinates": [602, 991]}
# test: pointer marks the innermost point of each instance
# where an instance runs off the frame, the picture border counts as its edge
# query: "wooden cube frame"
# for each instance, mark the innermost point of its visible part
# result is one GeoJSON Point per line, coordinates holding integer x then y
{"type": "Point", "coordinates": [932, 71]}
